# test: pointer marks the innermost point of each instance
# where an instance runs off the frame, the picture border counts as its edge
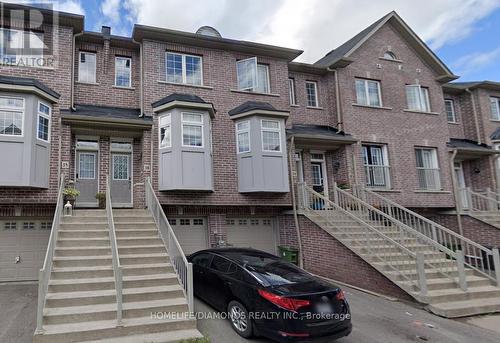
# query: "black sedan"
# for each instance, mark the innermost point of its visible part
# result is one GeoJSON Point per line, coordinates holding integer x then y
{"type": "Point", "coordinates": [265, 296]}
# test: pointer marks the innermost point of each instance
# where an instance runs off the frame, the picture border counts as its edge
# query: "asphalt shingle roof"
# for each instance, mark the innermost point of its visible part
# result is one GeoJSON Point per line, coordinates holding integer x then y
{"type": "Point", "coordinates": [25, 81]}
{"type": "Point", "coordinates": [251, 106]}
{"type": "Point", "coordinates": [179, 97]}
{"type": "Point", "coordinates": [108, 112]}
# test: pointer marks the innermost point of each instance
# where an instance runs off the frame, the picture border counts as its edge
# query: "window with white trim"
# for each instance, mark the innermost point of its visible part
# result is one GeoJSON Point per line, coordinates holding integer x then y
{"type": "Point", "coordinates": [87, 67]}
{"type": "Point", "coordinates": [376, 163]}
{"type": "Point", "coordinates": [291, 91]}
{"type": "Point", "coordinates": [495, 108]}
{"type": "Point", "coordinates": [449, 106]}
{"type": "Point", "coordinates": [192, 129]}
{"type": "Point", "coordinates": [271, 135]}
{"type": "Point", "coordinates": [183, 68]}
{"type": "Point", "coordinates": [11, 116]}
{"type": "Point", "coordinates": [123, 71]}
{"type": "Point", "coordinates": [427, 169]}
{"type": "Point", "coordinates": [43, 122]}
{"type": "Point", "coordinates": [418, 98]}
{"type": "Point", "coordinates": [388, 55]}
{"type": "Point", "coordinates": [252, 76]}
{"type": "Point", "coordinates": [312, 93]}
{"type": "Point", "coordinates": [165, 131]}
{"type": "Point", "coordinates": [21, 47]}
{"type": "Point", "coordinates": [368, 93]}
{"type": "Point", "coordinates": [243, 136]}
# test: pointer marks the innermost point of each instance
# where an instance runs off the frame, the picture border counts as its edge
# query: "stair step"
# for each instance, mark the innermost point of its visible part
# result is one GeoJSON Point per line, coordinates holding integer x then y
{"type": "Point", "coordinates": [456, 294]}
{"type": "Point", "coordinates": [82, 251]}
{"type": "Point", "coordinates": [135, 226]}
{"type": "Point", "coordinates": [82, 241]}
{"type": "Point", "coordinates": [150, 280]}
{"type": "Point", "coordinates": [161, 337]}
{"type": "Point", "coordinates": [446, 283]}
{"type": "Point", "coordinates": [131, 259]}
{"type": "Point", "coordinates": [82, 261]}
{"type": "Point", "coordinates": [98, 330]}
{"type": "Point", "coordinates": [464, 308]}
{"type": "Point", "coordinates": [152, 293]}
{"type": "Point", "coordinates": [81, 272]}
{"type": "Point", "coordinates": [76, 285]}
{"type": "Point", "coordinates": [141, 249]}
{"type": "Point", "coordinates": [81, 298]}
{"type": "Point", "coordinates": [145, 269]}
{"type": "Point", "coordinates": [130, 233]}
{"type": "Point", "coordinates": [79, 233]}
{"type": "Point", "coordinates": [134, 241]}
{"type": "Point", "coordinates": [134, 219]}
{"type": "Point", "coordinates": [70, 226]}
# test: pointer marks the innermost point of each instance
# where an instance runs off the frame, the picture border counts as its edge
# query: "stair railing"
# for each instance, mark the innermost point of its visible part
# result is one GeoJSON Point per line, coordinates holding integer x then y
{"type": "Point", "coordinates": [117, 267]}
{"type": "Point", "coordinates": [182, 267]}
{"type": "Point", "coordinates": [397, 259]}
{"type": "Point", "coordinates": [478, 202]}
{"type": "Point", "coordinates": [483, 260]}
{"type": "Point", "coordinates": [44, 273]}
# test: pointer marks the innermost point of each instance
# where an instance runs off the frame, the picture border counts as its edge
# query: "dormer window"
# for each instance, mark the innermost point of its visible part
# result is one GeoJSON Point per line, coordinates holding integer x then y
{"type": "Point", "coordinates": [389, 55]}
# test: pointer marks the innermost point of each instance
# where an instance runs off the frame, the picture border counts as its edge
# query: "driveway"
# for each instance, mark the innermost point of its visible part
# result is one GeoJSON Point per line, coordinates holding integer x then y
{"type": "Point", "coordinates": [375, 320]}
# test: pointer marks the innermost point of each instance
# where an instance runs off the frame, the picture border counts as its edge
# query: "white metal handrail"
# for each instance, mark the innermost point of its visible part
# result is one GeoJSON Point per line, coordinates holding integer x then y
{"type": "Point", "coordinates": [117, 268]}
{"type": "Point", "coordinates": [182, 267]}
{"type": "Point", "coordinates": [314, 203]}
{"type": "Point", "coordinates": [476, 256]}
{"type": "Point", "coordinates": [479, 202]}
{"type": "Point", "coordinates": [44, 273]}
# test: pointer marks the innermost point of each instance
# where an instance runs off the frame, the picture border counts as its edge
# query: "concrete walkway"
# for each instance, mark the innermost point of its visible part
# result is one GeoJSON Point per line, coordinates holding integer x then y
{"type": "Point", "coordinates": [376, 320]}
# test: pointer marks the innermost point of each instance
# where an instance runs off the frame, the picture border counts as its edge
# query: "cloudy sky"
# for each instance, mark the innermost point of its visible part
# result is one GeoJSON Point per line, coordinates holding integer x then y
{"type": "Point", "coordinates": [464, 33]}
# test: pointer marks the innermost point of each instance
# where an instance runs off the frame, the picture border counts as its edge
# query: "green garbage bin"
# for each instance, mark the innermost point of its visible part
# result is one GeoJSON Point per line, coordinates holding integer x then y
{"type": "Point", "coordinates": [289, 254]}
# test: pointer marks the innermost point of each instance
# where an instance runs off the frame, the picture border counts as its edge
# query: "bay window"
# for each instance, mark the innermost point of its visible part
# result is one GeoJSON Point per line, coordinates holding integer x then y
{"type": "Point", "coordinates": [495, 108]}
{"type": "Point", "coordinates": [43, 123]}
{"type": "Point", "coordinates": [183, 68]}
{"type": "Point", "coordinates": [87, 67]}
{"type": "Point", "coordinates": [271, 135]}
{"type": "Point", "coordinates": [418, 98]}
{"type": "Point", "coordinates": [192, 130]}
{"type": "Point", "coordinates": [165, 131]}
{"type": "Point", "coordinates": [368, 93]}
{"type": "Point", "coordinates": [243, 136]}
{"type": "Point", "coordinates": [123, 72]}
{"type": "Point", "coordinates": [427, 169]}
{"type": "Point", "coordinates": [252, 76]}
{"type": "Point", "coordinates": [11, 116]}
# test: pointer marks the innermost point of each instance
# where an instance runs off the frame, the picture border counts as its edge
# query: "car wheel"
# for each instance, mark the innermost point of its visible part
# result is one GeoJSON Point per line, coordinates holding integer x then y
{"type": "Point", "coordinates": [240, 321]}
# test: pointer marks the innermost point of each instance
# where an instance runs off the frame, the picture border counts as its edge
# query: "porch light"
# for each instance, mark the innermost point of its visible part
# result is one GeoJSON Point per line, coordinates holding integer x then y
{"type": "Point", "coordinates": [68, 209]}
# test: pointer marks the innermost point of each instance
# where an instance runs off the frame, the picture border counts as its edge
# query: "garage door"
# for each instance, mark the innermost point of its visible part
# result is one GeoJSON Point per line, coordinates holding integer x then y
{"type": "Point", "coordinates": [191, 233]}
{"type": "Point", "coordinates": [257, 233]}
{"type": "Point", "coordinates": [22, 248]}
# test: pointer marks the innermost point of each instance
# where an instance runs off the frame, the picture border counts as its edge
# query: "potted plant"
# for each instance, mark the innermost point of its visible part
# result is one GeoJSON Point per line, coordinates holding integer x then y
{"type": "Point", "coordinates": [101, 198]}
{"type": "Point", "coordinates": [70, 195]}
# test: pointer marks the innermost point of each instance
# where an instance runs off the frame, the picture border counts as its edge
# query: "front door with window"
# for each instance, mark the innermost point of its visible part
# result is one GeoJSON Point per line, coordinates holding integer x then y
{"type": "Point", "coordinates": [86, 181]}
{"type": "Point", "coordinates": [121, 179]}
{"type": "Point", "coordinates": [459, 174]}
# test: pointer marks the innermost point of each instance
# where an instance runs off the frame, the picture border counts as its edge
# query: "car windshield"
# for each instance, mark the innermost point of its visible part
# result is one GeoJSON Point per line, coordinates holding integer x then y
{"type": "Point", "coordinates": [272, 271]}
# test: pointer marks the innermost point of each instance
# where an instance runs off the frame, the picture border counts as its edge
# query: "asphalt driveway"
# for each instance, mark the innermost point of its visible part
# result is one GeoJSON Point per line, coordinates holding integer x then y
{"type": "Point", "coordinates": [376, 320]}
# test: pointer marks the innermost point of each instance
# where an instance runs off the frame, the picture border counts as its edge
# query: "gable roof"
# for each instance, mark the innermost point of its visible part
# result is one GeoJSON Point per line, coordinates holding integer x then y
{"type": "Point", "coordinates": [340, 57]}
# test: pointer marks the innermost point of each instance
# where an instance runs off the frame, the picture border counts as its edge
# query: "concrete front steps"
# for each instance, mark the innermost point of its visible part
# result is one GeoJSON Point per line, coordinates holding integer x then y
{"type": "Point", "coordinates": [81, 300]}
{"type": "Point", "coordinates": [444, 297]}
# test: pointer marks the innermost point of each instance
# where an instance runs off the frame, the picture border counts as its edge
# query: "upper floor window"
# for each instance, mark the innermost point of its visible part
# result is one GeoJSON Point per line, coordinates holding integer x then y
{"type": "Point", "coordinates": [21, 47]}
{"type": "Point", "coordinates": [11, 116]}
{"type": "Point", "coordinates": [450, 111]}
{"type": "Point", "coordinates": [43, 126]}
{"type": "Point", "coordinates": [291, 91]}
{"type": "Point", "coordinates": [271, 135]}
{"type": "Point", "coordinates": [243, 136]}
{"type": "Point", "coordinates": [418, 98]}
{"type": "Point", "coordinates": [192, 129]}
{"type": "Point", "coordinates": [376, 164]}
{"type": "Point", "coordinates": [389, 55]}
{"type": "Point", "coordinates": [495, 108]}
{"type": "Point", "coordinates": [123, 72]}
{"type": "Point", "coordinates": [252, 76]}
{"type": "Point", "coordinates": [87, 67]}
{"type": "Point", "coordinates": [182, 68]}
{"type": "Point", "coordinates": [368, 92]}
{"type": "Point", "coordinates": [427, 169]}
{"type": "Point", "coordinates": [312, 93]}
{"type": "Point", "coordinates": [165, 131]}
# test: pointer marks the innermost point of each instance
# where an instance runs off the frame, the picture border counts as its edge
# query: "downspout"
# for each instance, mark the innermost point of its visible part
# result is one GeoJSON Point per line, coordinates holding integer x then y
{"type": "Point", "coordinates": [340, 117]}
{"type": "Point", "coordinates": [141, 88]}
{"type": "Point", "coordinates": [474, 111]}
{"type": "Point", "coordinates": [72, 98]}
{"type": "Point", "coordinates": [294, 202]}
{"type": "Point", "coordinates": [456, 192]}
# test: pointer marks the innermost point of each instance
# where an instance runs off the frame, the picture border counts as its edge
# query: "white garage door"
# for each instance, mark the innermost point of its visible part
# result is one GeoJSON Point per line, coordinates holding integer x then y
{"type": "Point", "coordinates": [22, 248]}
{"type": "Point", "coordinates": [257, 233]}
{"type": "Point", "coordinates": [191, 233]}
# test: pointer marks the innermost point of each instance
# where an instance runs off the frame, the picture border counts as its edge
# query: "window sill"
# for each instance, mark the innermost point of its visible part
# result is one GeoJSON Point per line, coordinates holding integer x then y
{"type": "Point", "coordinates": [315, 108]}
{"type": "Point", "coordinates": [385, 190]}
{"type": "Point", "coordinates": [184, 85]}
{"type": "Point", "coordinates": [126, 88]}
{"type": "Point", "coordinates": [294, 105]}
{"type": "Point", "coordinates": [389, 60]}
{"type": "Point", "coordinates": [431, 191]}
{"type": "Point", "coordinates": [254, 93]}
{"type": "Point", "coordinates": [452, 123]}
{"type": "Point", "coordinates": [374, 107]}
{"type": "Point", "coordinates": [88, 83]}
{"type": "Point", "coordinates": [423, 112]}
{"type": "Point", "coordinates": [495, 120]}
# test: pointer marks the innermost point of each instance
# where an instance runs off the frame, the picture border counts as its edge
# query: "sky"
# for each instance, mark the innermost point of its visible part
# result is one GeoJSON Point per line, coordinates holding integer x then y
{"type": "Point", "coordinates": [463, 33]}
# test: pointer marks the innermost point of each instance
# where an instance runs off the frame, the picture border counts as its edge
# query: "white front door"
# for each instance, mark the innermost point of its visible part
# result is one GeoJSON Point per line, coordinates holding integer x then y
{"type": "Point", "coordinates": [459, 174]}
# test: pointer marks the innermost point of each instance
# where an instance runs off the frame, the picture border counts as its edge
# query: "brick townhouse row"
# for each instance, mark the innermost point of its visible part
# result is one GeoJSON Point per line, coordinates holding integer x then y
{"type": "Point", "coordinates": [226, 129]}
